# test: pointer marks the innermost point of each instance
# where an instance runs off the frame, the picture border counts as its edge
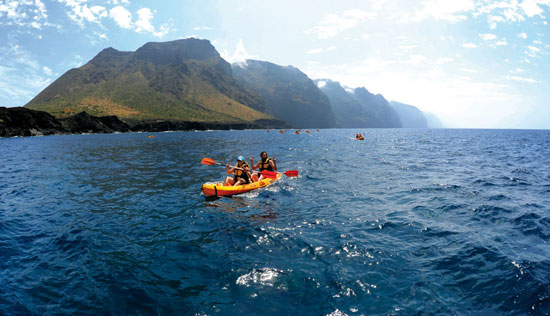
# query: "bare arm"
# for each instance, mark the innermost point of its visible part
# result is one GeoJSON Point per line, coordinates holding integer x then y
{"type": "Point", "coordinates": [229, 171]}
{"type": "Point", "coordinates": [254, 167]}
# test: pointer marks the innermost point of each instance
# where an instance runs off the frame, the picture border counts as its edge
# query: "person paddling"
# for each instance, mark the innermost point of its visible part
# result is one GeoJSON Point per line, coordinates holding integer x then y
{"type": "Point", "coordinates": [265, 163]}
{"type": "Point", "coordinates": [241, 173]}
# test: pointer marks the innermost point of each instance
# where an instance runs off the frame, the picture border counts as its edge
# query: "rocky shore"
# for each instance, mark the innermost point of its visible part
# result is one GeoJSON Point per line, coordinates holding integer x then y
{"type": "Point", "coordinates": [19, 121]}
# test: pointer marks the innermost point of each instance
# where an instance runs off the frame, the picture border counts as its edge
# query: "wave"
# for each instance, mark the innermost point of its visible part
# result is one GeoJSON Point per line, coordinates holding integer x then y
{"type": "Point", "coordinates": [533, 224]}
{"type": "Point", "coordinates": [484, 277]}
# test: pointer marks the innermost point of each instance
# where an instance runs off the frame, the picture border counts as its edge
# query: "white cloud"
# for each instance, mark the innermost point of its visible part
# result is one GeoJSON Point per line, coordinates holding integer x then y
{"type": "Point", "coordinates": [468, 70]}
{"type": "Point", "coordinates": [493, 20]}
{"type": "Point", "coordinates": [532, 51]}
{"type": "Point", "coordinates": [203, 28]}
{"type": "Point", "coordinates": [24, 13]}
{"type": "Point", "coordinates": [531, 8]}
{"type": "Point", "coordinates": [333, 24]}
{"type": "Point", "coordinates": [488, 36]}
{"type": "Point", "coordinates": [517, 71]}
{"type": "Point", "coordinates": [47, 70]}
{"type": "Point", "coordinates": [513, 15]}
{"type": "Point", "coordinates": [100, 11]}
{"type": "Point", "coordinates": [521, 79]}
{"type": "Point", "coordinates": [320, 50]}
{"type": "Point", "coordinates": [163, 30]}
{"type": "Point", "coordinates": [493, 40]}
{"type": "Point", "coordinates": [501, 42]}
{"type": "Point", "coordinates": [446, 10]}
{"type": "Point", "coordinates": [443, 60]}
{"type": "Point", "coordinates": [117, 2]}
{"type": "Point", "coordinates": [321, 84]}
{"type": "Point", "coordinates": [121, 16]}
{"type": "Point", "coordinates": [239, 56]}
{"type": "Point", "coordinates": [469, 45]}
{"type": "Point", "coordinates": [76, 61]}
{"type": "Point", "coordinates": [143, 23]}
{"type": "Point", "coordinates": [21, 75]}
{"type": "Point", "coordinates": [315, 51]}
{"type": "Point", "coordinates": [451, 11]}
{"type": "Point", "coordinates": [80, 12]}
{"type": "Point", "coordinates": [522, 35]}
{"type": "Point", "coordinates": [510, 11]}
{"type": "Point", "coordinates": [417, 60]}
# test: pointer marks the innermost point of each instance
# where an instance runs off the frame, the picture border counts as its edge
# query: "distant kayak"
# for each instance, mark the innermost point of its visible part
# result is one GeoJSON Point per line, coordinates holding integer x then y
{"type": "Point", "coordinates": [218, 189]}
{"type": "Point", "coordinates": [359, 138]}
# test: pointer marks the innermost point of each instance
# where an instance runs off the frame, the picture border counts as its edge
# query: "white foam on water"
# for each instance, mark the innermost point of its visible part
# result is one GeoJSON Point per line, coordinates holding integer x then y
{"type": "Point", "coordinates": [337, 312]}
{"type": "Point", "coordinates": [264, 277]}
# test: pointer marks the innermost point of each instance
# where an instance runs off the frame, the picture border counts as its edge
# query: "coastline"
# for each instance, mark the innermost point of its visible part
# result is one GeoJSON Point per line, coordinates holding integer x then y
{"type": "Point", "coordinates": [21, 122]}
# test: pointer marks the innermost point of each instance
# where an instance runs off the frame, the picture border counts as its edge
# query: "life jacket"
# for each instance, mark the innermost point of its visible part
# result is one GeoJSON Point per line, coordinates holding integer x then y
{"type": "Point", "coordinates": [240, 173]}
{"type": "Point", "coordinates": [265, 165]}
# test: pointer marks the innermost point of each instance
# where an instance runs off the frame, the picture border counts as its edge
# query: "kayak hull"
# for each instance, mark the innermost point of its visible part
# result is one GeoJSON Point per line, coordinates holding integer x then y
{"type": "Point", "coordinates": [218, 189]}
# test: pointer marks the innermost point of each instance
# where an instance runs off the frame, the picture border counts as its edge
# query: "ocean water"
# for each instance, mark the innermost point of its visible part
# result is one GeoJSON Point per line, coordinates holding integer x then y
{"type": "Point", "coordinates": [406, 222]}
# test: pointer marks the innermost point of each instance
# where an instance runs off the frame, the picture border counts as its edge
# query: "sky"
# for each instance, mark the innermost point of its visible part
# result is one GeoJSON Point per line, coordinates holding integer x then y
{"type": "Point", "coordinates": [474, 64]}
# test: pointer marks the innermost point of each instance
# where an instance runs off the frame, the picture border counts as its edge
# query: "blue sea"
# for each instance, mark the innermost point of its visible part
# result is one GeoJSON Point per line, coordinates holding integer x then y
{"type": "Point", "coordinates": [405, 222]}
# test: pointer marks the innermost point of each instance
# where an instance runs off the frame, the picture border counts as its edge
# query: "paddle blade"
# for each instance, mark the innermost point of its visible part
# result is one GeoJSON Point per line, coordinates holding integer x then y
{"type": "Point", "coordinates": [269, 174]}
{"type": "Point", "coordinates": [291, 173]}
{"type": "Point", "coordinates": [208, 161]}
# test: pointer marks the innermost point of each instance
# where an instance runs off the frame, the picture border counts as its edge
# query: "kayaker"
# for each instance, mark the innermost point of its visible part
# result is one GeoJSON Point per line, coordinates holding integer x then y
{"type": "Point", "coordinates": [265, 163]}
{"type": "Point", "coordinates": [241, 173]}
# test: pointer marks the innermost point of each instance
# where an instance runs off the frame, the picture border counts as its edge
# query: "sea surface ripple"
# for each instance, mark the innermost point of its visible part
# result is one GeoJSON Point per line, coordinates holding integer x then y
{"type": "Point", "coordinates": [406, 222]}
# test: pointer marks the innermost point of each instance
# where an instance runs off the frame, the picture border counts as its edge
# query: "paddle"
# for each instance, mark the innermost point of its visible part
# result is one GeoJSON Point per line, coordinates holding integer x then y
{"type": "Point", "coordinates": [210, 162]}
{"type": "Point", "coordinates": [273, 175]}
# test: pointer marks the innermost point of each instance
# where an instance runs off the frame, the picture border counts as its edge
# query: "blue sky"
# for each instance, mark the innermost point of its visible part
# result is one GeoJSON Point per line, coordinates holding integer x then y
{"type": "Point", "coordinates": [475, 64]}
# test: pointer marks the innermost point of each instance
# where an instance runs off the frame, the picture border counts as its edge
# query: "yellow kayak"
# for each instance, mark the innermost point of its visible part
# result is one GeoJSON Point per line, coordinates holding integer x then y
{"type": "Point", "coordinates": [218, 189]}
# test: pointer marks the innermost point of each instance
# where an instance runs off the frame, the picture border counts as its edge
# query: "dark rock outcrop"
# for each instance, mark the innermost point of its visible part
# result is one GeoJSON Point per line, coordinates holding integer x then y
{"type": "Point", "coordinates": [25, 122]}
{"type": "Point", "coordinates": [86, 123]}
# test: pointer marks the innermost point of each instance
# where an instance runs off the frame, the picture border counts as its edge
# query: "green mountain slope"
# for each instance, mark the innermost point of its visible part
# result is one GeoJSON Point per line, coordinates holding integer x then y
{"type": "Point", "coordinates": [288, 93]}
{"type": "Point", "coordinates": [178, 80]}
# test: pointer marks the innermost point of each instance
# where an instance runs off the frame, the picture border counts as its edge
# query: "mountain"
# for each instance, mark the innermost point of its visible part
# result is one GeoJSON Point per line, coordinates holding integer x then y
{"type": "Point", "coordinates": [410, 116]}
{"type": "Point", "coordinates": [433, 120]}
{"type": "Point", "coordinates": [378, 108]}
{"type": "Point", "coordinates": [358, 107]}
{"type": "Point", "coordinates": [288, 93]}
{"type": "Point", "coordinates": [178, 80]}
{"type": "Point", "coordinates": [349, 113]}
